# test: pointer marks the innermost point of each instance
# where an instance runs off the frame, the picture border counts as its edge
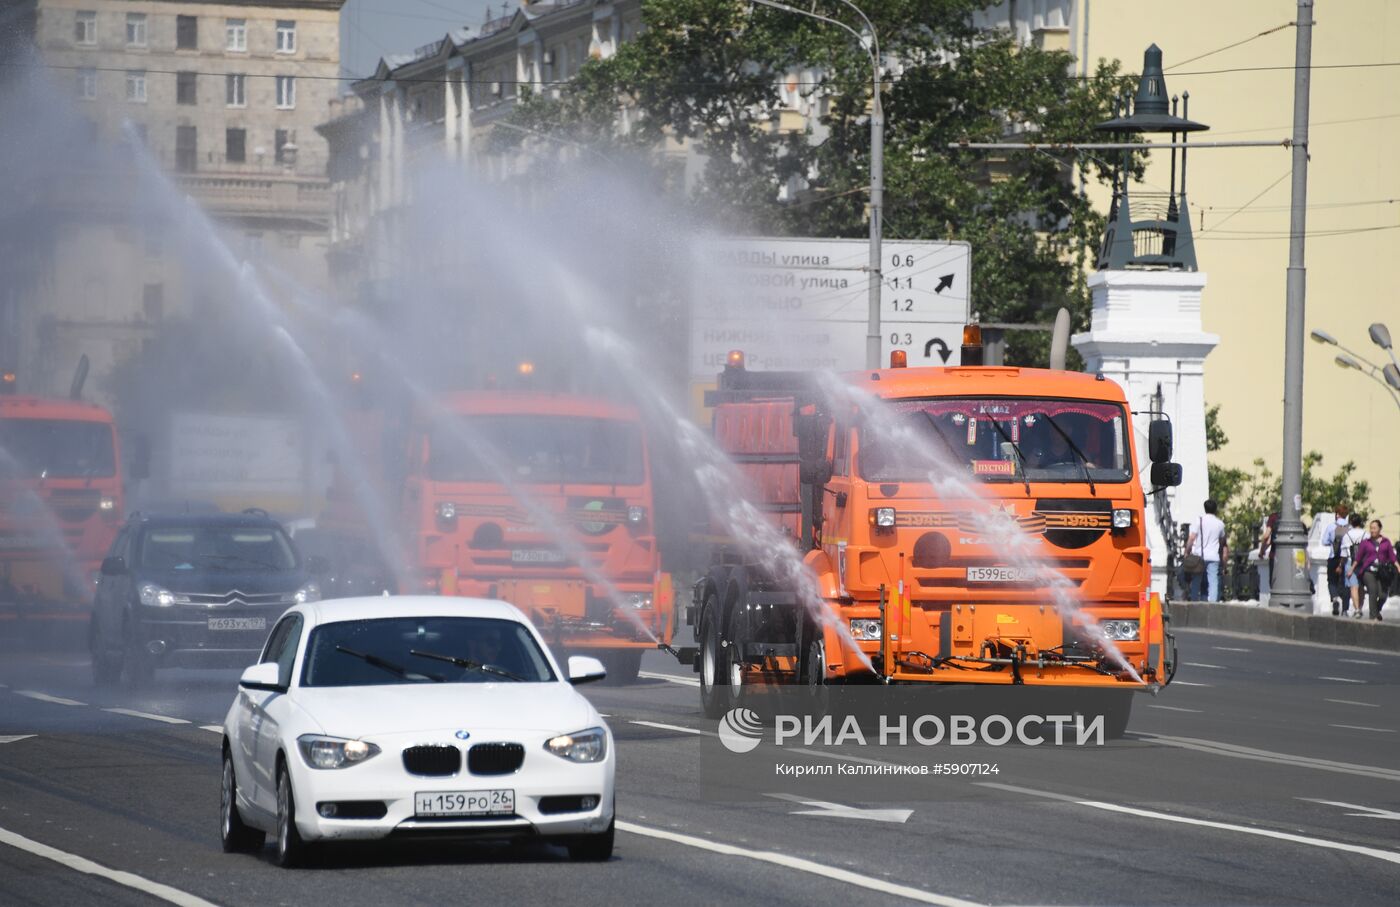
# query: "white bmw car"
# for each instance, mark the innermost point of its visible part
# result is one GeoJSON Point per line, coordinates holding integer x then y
{"type": "Point", "coordinates": [414, 715]}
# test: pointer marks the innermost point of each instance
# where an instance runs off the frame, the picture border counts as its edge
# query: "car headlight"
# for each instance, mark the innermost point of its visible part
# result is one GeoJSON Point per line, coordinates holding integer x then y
{"type": "Point", "coordinates": [311, 592]}
{"type": "Point", "coordinates": [636, 514]}
{"type": "Point", "coordinates": [581, 746]}
{"type": "Point", "coordinates": [639, 599]}
{"type": "Point", "coordinates": [882, 517]}
{"type": "Point", "coordinates": [1122, 518]}
{"type": "Point", "coordinates": [865, 628]}
{"type": "Point", "coordinates": [1120, 630]}
{"type": "Point", "coordinates": [153, 596]}
{"type": "Point", "coordinates": [334, 752]}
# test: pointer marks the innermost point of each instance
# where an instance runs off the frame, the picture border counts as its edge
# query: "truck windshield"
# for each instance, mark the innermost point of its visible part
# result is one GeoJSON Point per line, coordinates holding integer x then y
{"type": "Point", "coordinates": [55, 449]}
{"type": "Point", "coordinates": [538, 449]}
{"type": "Point", "coordinates": [1007, 439]}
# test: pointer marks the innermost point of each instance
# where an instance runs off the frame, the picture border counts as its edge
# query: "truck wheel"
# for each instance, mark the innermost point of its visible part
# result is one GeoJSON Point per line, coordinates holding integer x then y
{"type": "Point", "coordinates": [714, 665]}
{"type": "Point", "coordinates": [623, 665]}
{"type": "Point", "coordinates": [814, 670]}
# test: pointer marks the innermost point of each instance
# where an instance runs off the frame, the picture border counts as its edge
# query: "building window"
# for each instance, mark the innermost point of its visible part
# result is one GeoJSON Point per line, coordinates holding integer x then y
{"type": "Point", "coordinates": [186, 153]}
{"type": "Point", "coordinates": [185, 88]}
{"type": "Point", "coordinates": [136, 86]}
{"type": "Point", "coordinates": [87, 84]}
{"type": "Point", "coordinates": [286, 36]}
{"type": "Point", "coordinates": [236, 34]}
{"type": "Point", "coordinates": [85, 27]}
{"type": "Point", "coordinates": [136, 29]}
{"type": "Point", "coordinates": [236, 146]}
{"type": "Point", "coordinates": [286, 92]}
{"type": "Point", "coordinates": [186, 32]}
{"type": "Point", "coordinates": [153, 301]}
{"type": "Point", "coordinates": [234, 90]}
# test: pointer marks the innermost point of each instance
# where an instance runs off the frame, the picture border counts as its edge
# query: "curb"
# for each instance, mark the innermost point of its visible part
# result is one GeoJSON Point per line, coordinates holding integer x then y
{"type": "Point", "coordinates": [1260, 620]}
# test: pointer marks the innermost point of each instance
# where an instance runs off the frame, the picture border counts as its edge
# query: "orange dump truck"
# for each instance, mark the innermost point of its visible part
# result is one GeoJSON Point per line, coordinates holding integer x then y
{"type": "Point", "coordinates": [924, 586]}
{"type": "Point", "coordinates": [60, 504]}
{"type": "Point", "coordinates": [541, 499]}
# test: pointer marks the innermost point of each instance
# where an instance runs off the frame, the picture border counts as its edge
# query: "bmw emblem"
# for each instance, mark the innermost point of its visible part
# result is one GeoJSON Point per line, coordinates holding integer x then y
{"type": "Point", "coordinates": [462, 735]}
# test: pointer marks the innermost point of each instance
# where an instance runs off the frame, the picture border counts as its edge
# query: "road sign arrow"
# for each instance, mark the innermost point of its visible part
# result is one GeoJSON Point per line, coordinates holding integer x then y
{"type": "Point", "coordinates": [1371, 812]}
{"type": "Point", "coordinates": [944, 283]}
{"type": "Point", "coordinates": [943, 351]}
{"type": "Point", "coordinates": [839, 811]}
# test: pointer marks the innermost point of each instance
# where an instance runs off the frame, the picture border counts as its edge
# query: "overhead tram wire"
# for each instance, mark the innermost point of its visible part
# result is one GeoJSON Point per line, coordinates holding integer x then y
{"type": "Point", "coordinates": [1211, 53]}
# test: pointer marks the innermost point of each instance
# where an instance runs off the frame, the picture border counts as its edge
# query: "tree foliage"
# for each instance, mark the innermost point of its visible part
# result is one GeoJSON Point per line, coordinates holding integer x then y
{"type": "Point", "coordinates": [707, 73]}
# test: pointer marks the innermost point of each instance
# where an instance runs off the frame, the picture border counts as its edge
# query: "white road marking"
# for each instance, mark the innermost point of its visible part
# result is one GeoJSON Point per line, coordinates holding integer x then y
{"type": "Point", "coordinates": [1357, 727]}
{"type": "Point", "coordinates": [1358, 661]}
{"type": "Point", "coordinates": [1173, 708]}
{"type": "Point", "coordinates": [841, 811]}
{"type": "Point", "coordinates": [1369, 705]}
{"type": "Point", "coordinates": [1368, 812]}
{"type": "Point", "coordinates": [669, 678]}
{"type": "Point", "coordinates": [1376, 853]}
{"type": "Point", "coordinates": [1342, 679]}
{"type": "Point", "coordinates": [147, 715]}
{"type": "Point", "coordinates": [215, 728]}
{"type": "Point", "coordinates": [1197, 664]}
{"type": "Point", "coordinates": [890, 889]}
{"type": "Point", "coordinates": [1187, 683]}
{"type": "Point", "coordinates": [1231, 649]}
{"type": "Point", "coordinates": [81, 864]}
{"type": "Point", "coordinates": [674, 727]}
{"type": "Point", "coordinates": [45, 697]}
{"type": "Point", "coordinates": [15, 738]}
{"type": "Point", "coordinates": [1234, 751]}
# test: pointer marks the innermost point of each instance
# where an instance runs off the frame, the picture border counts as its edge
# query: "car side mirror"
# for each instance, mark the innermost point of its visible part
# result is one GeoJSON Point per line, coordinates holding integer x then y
{"type": "Point", "coordinates": [1159, 441]}
{"type": "Point", "coordinates": [265, 676]}
{"type": "Point", "coordinates": [113, 566]}
{"type": "Point", "coordinates": [1166, 475]}
{"type": "Point", "coordinates": [318, 565]}
{"type": "Point", "coordinates": [585, 669]}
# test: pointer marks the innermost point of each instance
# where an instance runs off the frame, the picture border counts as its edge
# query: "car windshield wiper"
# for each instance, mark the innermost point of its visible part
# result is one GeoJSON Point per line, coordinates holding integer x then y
{"type": "Point", "coordinates": [386, 665]}
{"type": "Point", "coordinates": [1017, 449]}
{"type": "Point", "coordinates": [240, 558]}
{"type": "Point", "coordinates": [1083, 460]}
{"type": "Point", "coordinates": [468, 664]}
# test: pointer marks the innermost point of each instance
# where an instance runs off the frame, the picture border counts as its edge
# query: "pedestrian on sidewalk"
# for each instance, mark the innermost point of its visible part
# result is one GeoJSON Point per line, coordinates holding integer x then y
{"type": "Point", "coordinates": [1347, 550]}
{"type": "Point", "coordinates": [1207, 542]}
{"type": "Point", "coordinates": [1375, 564]}
{"type": "Point", "coordinates": [1332, 535]}
{"type": "Point", "coordinates": [1266, 556]}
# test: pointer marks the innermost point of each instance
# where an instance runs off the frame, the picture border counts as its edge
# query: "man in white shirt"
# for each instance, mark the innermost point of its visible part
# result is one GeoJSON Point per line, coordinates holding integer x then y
{"type": "Point", "coordinates": [1333, 536]}
{"type": "Point", "coordinates": [1207, 541]}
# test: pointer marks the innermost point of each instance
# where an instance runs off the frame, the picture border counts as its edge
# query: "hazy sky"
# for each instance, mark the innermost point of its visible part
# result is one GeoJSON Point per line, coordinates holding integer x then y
{"type": "Point", "coordinates": [370, 29]}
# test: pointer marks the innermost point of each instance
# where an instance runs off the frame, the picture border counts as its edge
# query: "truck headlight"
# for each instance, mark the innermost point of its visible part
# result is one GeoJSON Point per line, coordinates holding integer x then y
{"type": "Point", "coordinates": [311, 592]}
{"type": "Point", "coordinates": [106, 503]}
{"type": "Point", "coordinates": [882, 517]}
{"type": "Point", "coordinates": [1122, 518]}
{"type": "Point", "coordinates": [447, 511]}
{"type": "Point", "coordinates": [580, 746]}
{"type": "Point", "coordinates": [1120, 630]}
{"type": "Point", "coordinates": [636, 514]}
{"type": "Point", "coordinates": [153, 596]}
{"type": "Point", "coordinates": [334, 752]}
{"type": "Point", "coordinates": [639, 600]}
{"type": "Point", "coordinates": [865, 628]}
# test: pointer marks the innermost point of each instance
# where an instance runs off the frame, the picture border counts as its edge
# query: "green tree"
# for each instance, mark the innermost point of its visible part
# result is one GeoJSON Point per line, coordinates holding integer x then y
{"type": "Point", "coordinates": [1260, 493]}
{"type": "Point", "coordinates": [1224, 482]}
{"type": "Point", "coordinates": [708, 72]}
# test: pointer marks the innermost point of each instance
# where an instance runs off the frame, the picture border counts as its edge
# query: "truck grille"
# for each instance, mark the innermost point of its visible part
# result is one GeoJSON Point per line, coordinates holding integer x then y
{"type": "Point", "coordinates": [72, 505]}
{"type": "Point", "coordinates": [432, 760]}
{"type": "Point", "coordinates": [495, 758]}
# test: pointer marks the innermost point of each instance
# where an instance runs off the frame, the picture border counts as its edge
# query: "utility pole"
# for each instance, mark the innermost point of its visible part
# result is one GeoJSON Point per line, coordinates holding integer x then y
{"type": "Point", "coordinates": [1290, 584]}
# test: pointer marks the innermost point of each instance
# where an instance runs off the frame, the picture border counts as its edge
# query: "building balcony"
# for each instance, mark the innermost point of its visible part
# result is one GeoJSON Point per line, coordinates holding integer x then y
{"type": "Point", "coordinates": [252, 195]}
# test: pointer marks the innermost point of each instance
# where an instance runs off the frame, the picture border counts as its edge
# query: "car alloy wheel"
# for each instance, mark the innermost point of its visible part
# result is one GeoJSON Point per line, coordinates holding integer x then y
{"type": "Point", "coordinates": [237, 837]}
{"type": "Point", "coordinates": [291, 850]}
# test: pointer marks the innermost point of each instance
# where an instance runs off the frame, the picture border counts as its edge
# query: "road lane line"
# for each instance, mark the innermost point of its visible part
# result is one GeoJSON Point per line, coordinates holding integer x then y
{"type": "Point", "coordinates": [1358, 661]}
{"type": "Point", "coordinates": [669, 678]}
{"type": "Point", "coordinates": [147, 715]}
{"type": "Point", "coordinates": [83, 865]}
{"type": "Point", "coordinates": [1197, 664]}
{"type": "Point", "coordinates": [675, 727]}
{"type": "Point", "coordinates": [1234, 751]}
{"type": "Point", "coordinates": [45, 697]}
{"type": "Point", "coordinates": [1231, 649]}
{"type": "Point", "coordinates": [1357, 727]}
{"type": "Point", "coordinates": [14, 738]}
{"type": "Point", "coordinates": [1187, 683]}
{"type": "Point", "coordinates": [215, 728]}
{"type": "Point", "coordinates": [890, 889]}
{"type": "Point", "coordinates": [1369, 705]}
{"type": "Point", "coordinates": [1367, 812]}
{"type": "Point", "coordinates": [1375, 853]}
{"type": "Point", "coordinates": [1342, 679]}
{"type": "Point", "coordinates": [1173, 708]}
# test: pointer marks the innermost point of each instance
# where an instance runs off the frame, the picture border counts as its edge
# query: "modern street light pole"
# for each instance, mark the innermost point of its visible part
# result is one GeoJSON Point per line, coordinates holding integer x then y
{"type": "Point", "coordinates": [1387, 376]}
{"type": "Point", "coordinates": [1291, 585]}
{"type": "Point", "coordinates": [877, 164]}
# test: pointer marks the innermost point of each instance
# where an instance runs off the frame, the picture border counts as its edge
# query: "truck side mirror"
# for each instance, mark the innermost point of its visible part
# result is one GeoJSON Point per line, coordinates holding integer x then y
{"type": "Point", "coordinates": [113, 566]}
{"type": "Point", "coordinates": [138, 467]}
{"type": "Point", "coordinates": [1166, 475]}
{"type": "Point", "coordinates": [812, 431]}
{"type": "Point", "coordinates": [1159, 441]}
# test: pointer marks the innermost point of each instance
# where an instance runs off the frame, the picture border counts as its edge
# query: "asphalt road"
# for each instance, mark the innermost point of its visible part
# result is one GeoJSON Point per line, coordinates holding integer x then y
{"type": "Point", "coordinates": [1268, 774]}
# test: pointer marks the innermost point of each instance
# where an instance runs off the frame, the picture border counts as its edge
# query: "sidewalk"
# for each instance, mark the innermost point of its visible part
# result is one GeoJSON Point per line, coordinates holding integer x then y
{"type": "Point", "coordinates": [1286, 623]}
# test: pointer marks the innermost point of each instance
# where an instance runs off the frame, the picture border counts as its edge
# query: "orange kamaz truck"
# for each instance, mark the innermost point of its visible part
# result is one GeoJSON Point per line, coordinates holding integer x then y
{"type": "Point", "coordinates": [541, 499]}
{"type": "Point", "coordinates": [60, 503]}
{"type": "Point", "coordinates": [1028, 565]}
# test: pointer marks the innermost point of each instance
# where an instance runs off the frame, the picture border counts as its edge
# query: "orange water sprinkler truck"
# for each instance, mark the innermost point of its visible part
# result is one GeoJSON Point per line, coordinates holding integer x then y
{"type": "Point", "coordinates": [541, 499]}
{"type": "Point", "coordinates": [912, 589]}
{"type": "Point", "coordinates": [61, 501]}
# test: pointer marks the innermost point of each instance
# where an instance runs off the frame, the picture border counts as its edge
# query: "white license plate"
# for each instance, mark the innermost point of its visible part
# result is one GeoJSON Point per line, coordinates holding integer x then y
{"type": "Point", "coordinates": [536, 556]}
{"type": "Point", "coordinates": [998, 575]}
{"type": "Point", "coordinates": [238, 623]}
{"type": "Point", "coordinates": [464, 803]}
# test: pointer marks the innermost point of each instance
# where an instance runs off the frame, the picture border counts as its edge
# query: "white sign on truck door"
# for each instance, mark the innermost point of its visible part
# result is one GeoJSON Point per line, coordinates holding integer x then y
{"type": "Point", "coordinates": [797, 303]}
